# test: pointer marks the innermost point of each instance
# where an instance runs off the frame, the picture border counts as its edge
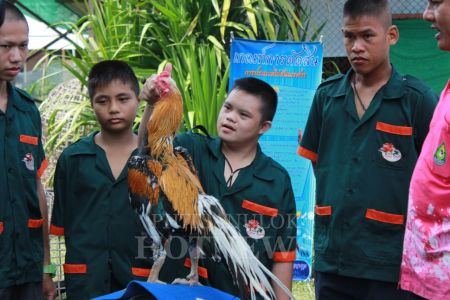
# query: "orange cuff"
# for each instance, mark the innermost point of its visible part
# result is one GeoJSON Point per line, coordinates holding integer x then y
{"type": "Point", "coordinates": [307, 154]}
{"type": "Point", "coordinates": [55, 230]}
{"type": "Point", "coordinates": [284, 256]}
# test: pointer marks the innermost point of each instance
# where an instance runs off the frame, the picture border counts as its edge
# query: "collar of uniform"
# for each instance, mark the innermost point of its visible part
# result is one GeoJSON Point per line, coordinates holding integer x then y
{"type": "Point", "coordinates": [18, 99]}
{"type": "Point", "coordinates": [393, 89]}
{"type": "Point", "coordinates": [85, 145]}
{"type": "Point", "coordinates": [260, 163]}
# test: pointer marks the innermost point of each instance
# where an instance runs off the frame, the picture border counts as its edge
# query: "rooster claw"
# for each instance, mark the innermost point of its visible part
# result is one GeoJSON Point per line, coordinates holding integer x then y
{"type": "Point", "coordinates": [186, 281]}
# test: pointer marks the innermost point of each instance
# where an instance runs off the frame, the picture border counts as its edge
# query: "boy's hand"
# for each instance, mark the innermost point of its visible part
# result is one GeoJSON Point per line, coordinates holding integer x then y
{"type": "Point", "coordinates": [48, 287]}
{"type": "Point", "coordinates": [157, 85]}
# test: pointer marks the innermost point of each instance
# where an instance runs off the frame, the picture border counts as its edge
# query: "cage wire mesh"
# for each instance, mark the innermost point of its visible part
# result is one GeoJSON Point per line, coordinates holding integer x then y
{"type": "Point", "coordinates": [330, 13]}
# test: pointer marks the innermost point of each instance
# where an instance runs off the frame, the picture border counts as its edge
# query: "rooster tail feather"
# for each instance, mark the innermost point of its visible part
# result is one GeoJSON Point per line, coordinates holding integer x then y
{"type": "Point", "coordinates": [237, 253]}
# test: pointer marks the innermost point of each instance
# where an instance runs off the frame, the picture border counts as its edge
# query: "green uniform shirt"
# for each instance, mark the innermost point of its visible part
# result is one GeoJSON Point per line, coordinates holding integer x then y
{"type": "Point", "coordinates": [260, 203]}
{"type": "Point", "coordinates": [363, 168]}
{"type": "Point", "coordinates": [93, 212]}
{"type": "Point", "coordinates": [22, 160]}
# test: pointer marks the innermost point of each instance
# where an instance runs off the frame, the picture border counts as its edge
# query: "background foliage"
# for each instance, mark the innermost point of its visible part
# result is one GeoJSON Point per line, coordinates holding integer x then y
{"type": "Point", "coordinates": [193, 35]}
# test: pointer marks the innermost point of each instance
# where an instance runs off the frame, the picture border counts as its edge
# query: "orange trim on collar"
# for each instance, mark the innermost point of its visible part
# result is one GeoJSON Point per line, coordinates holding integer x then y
{"type": "Point", "coordinates": [42, 168]}
{"type": "Point", "coordinates": [141, 272]}
{"type": "Point", "coordinates": [35, 223]}
{"type": "Point", "coordinates": [394, 129]}
{"type": "Point", "coordinates": [1, 227]}
{"type": "Point", "coordinates": [384, 217]}
{"type": "Point", "coordinates": [261, 209]}
{"type": "Point", "coordinates": [323, 210]}
{"type": "Point", "coordinates": [28, 139]}
{"type": "Point", "coordinates": [284, 256]}
{"type": "Point", "coordinates": [75, 268]}
{"type": "Point", "coordinates": [307, 154]}
{"type": "Point", "coordinates": [56, 230]}
{"type": "Point", "coordinates": [202, 272]}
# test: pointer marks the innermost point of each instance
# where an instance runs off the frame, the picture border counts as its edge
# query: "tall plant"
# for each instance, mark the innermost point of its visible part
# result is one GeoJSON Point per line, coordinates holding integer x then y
{"type": "Point", "coordinates": [192, 34]}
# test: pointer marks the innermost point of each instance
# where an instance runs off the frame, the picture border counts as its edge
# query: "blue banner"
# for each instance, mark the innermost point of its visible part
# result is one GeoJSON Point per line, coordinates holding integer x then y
{"type": "Point", "coordinates": [294, 70]}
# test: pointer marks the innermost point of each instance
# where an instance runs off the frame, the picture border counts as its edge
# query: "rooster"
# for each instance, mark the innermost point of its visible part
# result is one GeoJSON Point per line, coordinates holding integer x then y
{"type": "Point", "coordinates": [168, 197]}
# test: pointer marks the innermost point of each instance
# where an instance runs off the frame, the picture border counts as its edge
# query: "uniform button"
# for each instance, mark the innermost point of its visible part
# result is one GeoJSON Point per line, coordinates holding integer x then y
{"type": "Point", "coordinates": [355, 160]}
{"type": "Point", "coordinates": [10, 170]}
{"type": "Point", "coordinates": [350, 191]}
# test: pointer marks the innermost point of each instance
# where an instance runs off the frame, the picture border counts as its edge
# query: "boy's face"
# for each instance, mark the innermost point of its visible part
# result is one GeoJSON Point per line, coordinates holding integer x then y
{"type": "Point", "coordinates": [115, 106]}
{"type": "Point", "coordinates": [13, 48]}
{"type": "Point", "coordinates": [438, 13]}
{"type": "Point", "coordinates": [240, 119]}
{"type": "Point", "coordinates": [367, 41]}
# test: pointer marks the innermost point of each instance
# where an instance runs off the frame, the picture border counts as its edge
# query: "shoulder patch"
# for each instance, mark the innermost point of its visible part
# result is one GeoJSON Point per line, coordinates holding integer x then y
{"type": "Point", "coordinates": [416, 83]}
{"type": "Point", "coordinates": [331, 79]}
{"type": "Point", "coordinates": [24, 94]}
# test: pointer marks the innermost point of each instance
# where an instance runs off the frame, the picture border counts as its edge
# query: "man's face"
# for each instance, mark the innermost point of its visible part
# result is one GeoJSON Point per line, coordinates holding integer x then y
{"type": "Point", "coordinates": [438, 14]}
{"type": "Point", "coordinates": [115, 106]}
{"type": "Point", "coordinates": [13, 48]}
{"type": "Point", "coordinates": [367, 42]}
{"type": "Point", "coordinates": [240, 119]}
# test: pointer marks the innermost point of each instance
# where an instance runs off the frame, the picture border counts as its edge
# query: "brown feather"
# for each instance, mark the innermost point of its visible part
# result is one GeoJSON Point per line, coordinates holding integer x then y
{"type": "Point", "coordinates": [137, 183]}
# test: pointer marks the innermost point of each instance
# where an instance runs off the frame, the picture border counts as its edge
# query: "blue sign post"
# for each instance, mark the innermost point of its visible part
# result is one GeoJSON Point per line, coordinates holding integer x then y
{"type": "Point", "coordinates": [294, 69]}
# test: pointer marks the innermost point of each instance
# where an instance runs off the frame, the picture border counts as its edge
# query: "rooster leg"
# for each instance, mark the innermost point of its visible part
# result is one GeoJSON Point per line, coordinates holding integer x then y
{"type": "Point", "coordinates": [194, 255]}
{"type": "Point", "coordinates": [159, 256]}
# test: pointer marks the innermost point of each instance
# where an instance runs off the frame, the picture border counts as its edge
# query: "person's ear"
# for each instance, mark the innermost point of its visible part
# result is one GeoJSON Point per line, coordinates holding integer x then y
{"type": "Point", "coordinates": [266, 125]}
{"type": "Point", "coordinates": [393, 34]}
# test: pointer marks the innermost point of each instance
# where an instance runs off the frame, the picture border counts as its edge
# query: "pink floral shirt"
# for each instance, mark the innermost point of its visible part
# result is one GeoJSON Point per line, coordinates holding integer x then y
{"type": "Point", "coordinates": [425, 269]}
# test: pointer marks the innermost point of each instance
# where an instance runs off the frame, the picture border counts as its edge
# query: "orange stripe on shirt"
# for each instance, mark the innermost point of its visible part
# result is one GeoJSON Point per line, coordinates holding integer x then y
{"type": "Point", "coordinates": [1, 227]}
{"type": "Point", "coordinates": [35, 223]}
{"type": "Point", "coordinates": [394, 129]}
{"type": "Point", "coordinates": [56, 230]}
{"type": "Point", "coordinates": [202, 272]}
{"type": "Point", "coordinates": [140, 272]}
{"type": "Point", "coordinates": [284, 256]}
{"type": "Point", "coordinates": [42, 168]}
{"type": "Point", "coordinates": [384, 217]}
{"type": "Point", "coordinates": [307, 154]}
{"type": "Point", "coordinates": [75, 268]}
{"type": "Point", "coordinates": [323, 210]}
{"type": "Point", "coordinates": [27, 139]}
{"type": "Point", "coordinates": [264, 210]}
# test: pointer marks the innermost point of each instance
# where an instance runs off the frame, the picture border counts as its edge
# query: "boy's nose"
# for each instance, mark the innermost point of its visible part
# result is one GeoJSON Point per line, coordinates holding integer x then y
{"type": "Point", "coordinates": [15, 55]}
{"type": "Point", "coordinates": [357, 45]}
{"type": "Point", "coordinates": [427, 14]}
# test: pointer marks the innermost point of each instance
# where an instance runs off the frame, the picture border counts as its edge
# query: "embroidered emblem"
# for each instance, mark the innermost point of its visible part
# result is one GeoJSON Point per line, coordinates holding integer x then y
{"type": "Point", "coordinates": [29, 161]}
{"type": "Point", "coordinates": [254, 230]}
{"type": "Point", "coordinates": [440, 156]}
{"type": "Point", "coordinates": [390, 153]}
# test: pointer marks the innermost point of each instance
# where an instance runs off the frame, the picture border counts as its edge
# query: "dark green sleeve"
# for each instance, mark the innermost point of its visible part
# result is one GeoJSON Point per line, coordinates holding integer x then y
{"type": "Point", "coordinates": [286, 243]}
{"type": "Point", "coordinates": [61, 193]}
{"type": "Point", "coordinates": [309, 144]}
{"type": "Point", "coordinates": [40, 159]}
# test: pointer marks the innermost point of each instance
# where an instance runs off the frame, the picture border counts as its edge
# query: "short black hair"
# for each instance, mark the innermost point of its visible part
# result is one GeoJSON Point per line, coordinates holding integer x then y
{"type": "Point", "coordinates": [105, 72]}
{"type": "Point", "coordinates": [373, 8]}
{"type": "Point", "coordinates": [12, 13]}
{"type": "Point", "coordinates": [263, 91]}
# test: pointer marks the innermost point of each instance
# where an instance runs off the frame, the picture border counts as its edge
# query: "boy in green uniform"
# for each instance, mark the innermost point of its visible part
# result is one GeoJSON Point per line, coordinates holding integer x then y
{"type": "Point", "coordinates": [364, 133]}
{"type": "Point", "coordinates": [23, 209]}
{"type": "Point", "coordinates": [254, 190]}
{"type": "Point", "coordinates": [92, 208]}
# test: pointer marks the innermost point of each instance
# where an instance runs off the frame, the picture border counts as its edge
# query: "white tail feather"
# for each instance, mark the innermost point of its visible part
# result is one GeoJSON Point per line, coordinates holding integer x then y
{"type": "Point", "coordinates": [236, 251]}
